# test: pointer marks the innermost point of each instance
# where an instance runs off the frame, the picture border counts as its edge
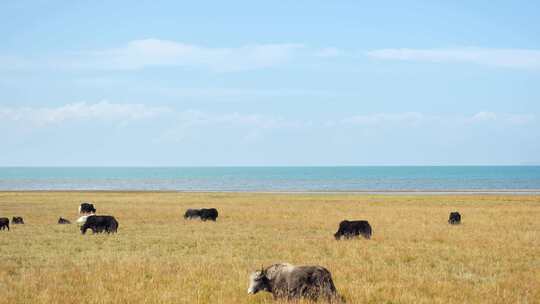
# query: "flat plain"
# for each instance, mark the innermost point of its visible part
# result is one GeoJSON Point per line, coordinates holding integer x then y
{"type": "Point", "coordinates": [414, 256]}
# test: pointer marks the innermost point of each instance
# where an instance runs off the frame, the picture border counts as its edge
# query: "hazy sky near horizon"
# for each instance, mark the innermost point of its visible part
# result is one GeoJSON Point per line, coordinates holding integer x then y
{"type": "Point", "coordinates": [269, 83]}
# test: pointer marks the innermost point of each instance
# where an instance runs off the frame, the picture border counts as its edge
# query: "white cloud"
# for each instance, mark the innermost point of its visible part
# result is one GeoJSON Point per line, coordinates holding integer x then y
{"type": "Point", "coordinates": [138, 54]}
{"type": "Point", "coordinates": [514, 119]}
{"type": "Point", "coordinates": [103, 110]}
{"type": "Point", "coordinates": [508, 58]}
{"type": "Point", "coordinates": [192, 119]}
{"type": "Point", "coordinates": [154, 52]}
{"type": "Point", "coordinates": [144, 53]}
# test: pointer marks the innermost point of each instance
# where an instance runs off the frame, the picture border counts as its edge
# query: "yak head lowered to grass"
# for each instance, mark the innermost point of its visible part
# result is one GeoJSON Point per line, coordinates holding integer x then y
{"type": "Point", "coordinates": [286, 281]}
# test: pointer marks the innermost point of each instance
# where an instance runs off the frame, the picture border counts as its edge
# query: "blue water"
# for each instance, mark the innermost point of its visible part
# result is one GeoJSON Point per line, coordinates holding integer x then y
{"type": "Point", "coordinates": [362, 178]}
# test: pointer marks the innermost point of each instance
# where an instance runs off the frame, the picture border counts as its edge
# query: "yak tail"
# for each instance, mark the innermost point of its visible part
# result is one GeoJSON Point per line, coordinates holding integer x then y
{"type": "Point", "coordinates": [114, 227]}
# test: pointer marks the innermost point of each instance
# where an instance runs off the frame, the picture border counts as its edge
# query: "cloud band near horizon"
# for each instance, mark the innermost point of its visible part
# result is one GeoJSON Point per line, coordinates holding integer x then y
{"type": "Point", "coordinates": [506, 58]}
{"type": "Point", "coordinates": [122, 112]}
{"type": "Point", "coordinates": [146, 53]}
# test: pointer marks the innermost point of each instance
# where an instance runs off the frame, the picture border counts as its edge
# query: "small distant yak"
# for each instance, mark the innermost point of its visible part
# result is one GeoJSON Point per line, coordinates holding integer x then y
{"type": "Point", "coordinates": [87, 208]}
{"type": "Point", "coordinates": [289, 282]}
{"type": "Point", "coordinates": [63, 221]}
{"type": "Point", "coordinates": [454, 218]}
{"type": "Point", "coordinates": [17, 220]}
{"type": "Point", "coordinates": [203, 214]}
{"type": "Point", "coordinates": [100, 223]}
{"type": "Point", "coordinates": [4, 223]}
{"type": "Point", "coordinates": [351, 229]}
{"type": "Point", "coordinates": [191, 214]}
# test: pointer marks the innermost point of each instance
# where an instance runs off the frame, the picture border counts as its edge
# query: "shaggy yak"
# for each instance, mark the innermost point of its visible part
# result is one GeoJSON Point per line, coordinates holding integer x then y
{"type": "Point", "coordinates": [289, 282]}
{"type": "Point", "coordinates": [350, 229]}
{"type": "Point", "coordinates": [4, 223]}
{"type": "Point", "coordinates": [63, 221]}
{"type": "Point", "coordinates": [100, 223]}
{"type": "Point", "coordinates": [454, 218]}
{"type": "Point", "coordinates": [17, 220]}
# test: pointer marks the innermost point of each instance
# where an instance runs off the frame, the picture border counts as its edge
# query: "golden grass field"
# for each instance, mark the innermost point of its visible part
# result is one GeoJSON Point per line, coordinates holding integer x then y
{"type": "Point", "coordinates": [158, 257]}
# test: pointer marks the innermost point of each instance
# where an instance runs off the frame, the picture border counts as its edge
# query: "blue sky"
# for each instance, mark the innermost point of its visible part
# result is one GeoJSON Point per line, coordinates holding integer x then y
{"type": "Point", "coordinates": [161, 83]}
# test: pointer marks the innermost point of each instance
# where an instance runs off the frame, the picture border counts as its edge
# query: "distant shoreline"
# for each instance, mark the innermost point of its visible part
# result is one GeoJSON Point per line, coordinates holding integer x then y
{"type": "Point", "coordinates": [371, 180]}
{"type": "Point", "coordinates": [358, 192]}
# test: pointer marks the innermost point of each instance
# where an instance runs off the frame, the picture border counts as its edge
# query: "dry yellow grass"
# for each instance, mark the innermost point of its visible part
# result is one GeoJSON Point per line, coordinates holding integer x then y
{"type": "Point", "coordinates": [157, 257]}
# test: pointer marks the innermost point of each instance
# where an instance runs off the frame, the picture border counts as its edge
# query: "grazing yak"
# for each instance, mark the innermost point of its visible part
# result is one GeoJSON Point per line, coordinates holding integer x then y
{"type": "Point", "coordinates": [100, 223]}
{"type": "Point", "coordinates": [203, 214]}
{"type": "Point", "coordinates": [192, 214]}
{"type": "Point", "coordinates": [454, 218]}
{"type": "Point", "coordinates": [4, 223]}
{"type": "Point", "coordinates": [289, 282]}
{"type": "Point", "coordinates": [350, 229]}
{"type": "Point", "coordinates": [17, 220]}
{"type": "Point", "coordinates": [209, 214]}
{"type": "Point", "coordinates": [87, 208]}
{"type": "Point", "coordinates": [63, 221]}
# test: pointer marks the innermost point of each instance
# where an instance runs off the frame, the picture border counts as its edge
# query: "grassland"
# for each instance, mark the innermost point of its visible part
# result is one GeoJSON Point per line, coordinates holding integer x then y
{"type": "Point", "coordinates": [157, 257]}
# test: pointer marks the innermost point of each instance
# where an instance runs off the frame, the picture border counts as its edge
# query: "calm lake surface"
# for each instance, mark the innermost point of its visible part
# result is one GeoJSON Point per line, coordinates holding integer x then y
{"type": "Point", "coordinates": [360, 178]}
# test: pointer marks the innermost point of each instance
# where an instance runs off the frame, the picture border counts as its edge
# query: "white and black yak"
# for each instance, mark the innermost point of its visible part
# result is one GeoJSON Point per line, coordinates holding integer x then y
{"type": "Point", "coordinates": [454, 218]}
{"type": "Point", "coordinates": [4, 223]}
{"type": "Point", "coordinates": [100, 223]}
{"type": "Point", "coordinates": [17, 220]}
{"type": "Point", "coordinates": [289, 282]}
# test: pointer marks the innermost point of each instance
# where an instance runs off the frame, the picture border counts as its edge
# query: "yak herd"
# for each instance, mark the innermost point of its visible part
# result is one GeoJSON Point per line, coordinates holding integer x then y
{"type": "Point", "coordinates": [283, 280]}
{"type": "Point", "coordinates": [88, 220]}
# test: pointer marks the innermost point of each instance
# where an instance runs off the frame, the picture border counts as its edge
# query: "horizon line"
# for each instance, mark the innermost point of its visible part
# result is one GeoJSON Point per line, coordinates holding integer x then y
{"type": "Point", "coordinates": [532, 164]}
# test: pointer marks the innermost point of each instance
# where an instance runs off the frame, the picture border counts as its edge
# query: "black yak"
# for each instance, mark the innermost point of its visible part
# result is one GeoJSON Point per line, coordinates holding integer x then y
{"type": "Point", "coordinates": [289, 282]}
{"type": "Point", "coordinates": [63, 221]}
{"type": "Point", "coordinates": [4, 223]}
{"type": "Point", "coordinates": [100, 223]}
{"type": "Point", "coordinates": [209, 214]}
{"type": "Point", "coordinates": [350, 229]}
{"type": "Point", "coordinates": [454, 218]}
{"type": "Point", "coordinates": [87, 208]}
